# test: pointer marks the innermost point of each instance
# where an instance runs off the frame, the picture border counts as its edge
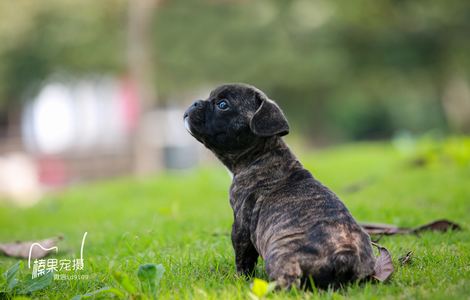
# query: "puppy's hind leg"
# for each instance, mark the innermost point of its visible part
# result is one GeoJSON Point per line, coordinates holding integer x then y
{"type": "Point", "coordinates": [285, 271]}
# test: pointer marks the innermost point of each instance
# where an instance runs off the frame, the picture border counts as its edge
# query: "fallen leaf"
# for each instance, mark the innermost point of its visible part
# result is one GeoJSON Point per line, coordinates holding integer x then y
{"type": "Point", "coordinates": [383, 265]}
{"type": "Point", "coordinates": [439, 225]}
{"type": "Point", "coordinates": [21, 249]}
{"type": "Point", "coordinates": [405, 259]}
{"type": "Point", "coordinates": [387, 229]}
{"type": "Point", "coordinates": [383, 229]}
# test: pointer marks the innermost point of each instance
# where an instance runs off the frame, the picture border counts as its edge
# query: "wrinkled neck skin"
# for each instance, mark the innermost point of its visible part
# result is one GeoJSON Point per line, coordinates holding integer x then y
{"type": "Point", "coordinates": [270, 159]}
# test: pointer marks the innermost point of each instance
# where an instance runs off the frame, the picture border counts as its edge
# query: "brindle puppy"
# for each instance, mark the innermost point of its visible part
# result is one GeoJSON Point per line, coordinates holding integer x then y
{"type": "Point", "coordinates": [298, 226]}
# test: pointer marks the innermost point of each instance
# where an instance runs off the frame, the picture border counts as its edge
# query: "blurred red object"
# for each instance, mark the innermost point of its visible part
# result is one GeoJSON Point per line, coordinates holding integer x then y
{"type": "Point", "coordinates": [129, 103]}
{"type": "Point", "coordinates": [52, 171]}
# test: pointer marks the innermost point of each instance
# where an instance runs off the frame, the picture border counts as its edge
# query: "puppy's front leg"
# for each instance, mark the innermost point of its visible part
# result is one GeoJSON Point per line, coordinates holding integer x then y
{"type": "Point", "coordinates": [246, 255]}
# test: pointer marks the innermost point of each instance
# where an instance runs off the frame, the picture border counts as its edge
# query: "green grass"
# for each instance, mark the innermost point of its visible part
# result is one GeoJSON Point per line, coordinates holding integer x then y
{"type": "Point", "coordinates": [183, 221]}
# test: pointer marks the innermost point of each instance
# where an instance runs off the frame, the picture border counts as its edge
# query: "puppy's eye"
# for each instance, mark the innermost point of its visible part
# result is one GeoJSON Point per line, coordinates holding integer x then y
{"type": "Point", "coordinates": [222, 105]}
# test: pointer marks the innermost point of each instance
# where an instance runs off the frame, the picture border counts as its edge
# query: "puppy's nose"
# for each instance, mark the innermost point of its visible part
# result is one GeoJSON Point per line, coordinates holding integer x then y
{"type": "Point", "coordinates": [195, 106]}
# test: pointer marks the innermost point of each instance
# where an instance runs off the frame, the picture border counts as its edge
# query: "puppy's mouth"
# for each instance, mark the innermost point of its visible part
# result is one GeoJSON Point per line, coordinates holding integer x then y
{"type": "Point", "coordinates": [192, 132]}
{"type": "Point", "coordinates": [187, 126]}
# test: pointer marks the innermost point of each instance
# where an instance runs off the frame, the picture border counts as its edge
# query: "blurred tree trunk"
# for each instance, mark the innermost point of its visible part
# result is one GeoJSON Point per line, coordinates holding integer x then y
{"type": "Point", "coordinates": [456, 103]}
{"type": "Point", "coordinates": [10, 128]}
{"type": "Point", "coordinates": [140, 64]}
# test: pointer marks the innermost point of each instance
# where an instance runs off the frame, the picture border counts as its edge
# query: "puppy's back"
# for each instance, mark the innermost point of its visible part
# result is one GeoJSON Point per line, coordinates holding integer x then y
{"type": "Point", "coordinates": [306, 224]}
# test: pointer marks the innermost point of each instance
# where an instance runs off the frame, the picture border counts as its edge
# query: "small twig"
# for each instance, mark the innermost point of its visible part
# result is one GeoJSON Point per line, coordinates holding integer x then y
{"type": "Point", "coordinates": [379, 237]}
{"type": "Point", "coordinates": [405, 259]}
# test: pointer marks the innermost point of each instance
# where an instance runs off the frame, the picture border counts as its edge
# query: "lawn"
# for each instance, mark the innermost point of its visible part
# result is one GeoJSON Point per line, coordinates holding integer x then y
{"type": "Point", "coordinates": [183, 221]}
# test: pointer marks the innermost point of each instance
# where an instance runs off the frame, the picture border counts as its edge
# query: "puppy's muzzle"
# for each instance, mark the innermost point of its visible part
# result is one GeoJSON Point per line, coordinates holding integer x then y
{"type": "Point", "coordinates": [191, 111]}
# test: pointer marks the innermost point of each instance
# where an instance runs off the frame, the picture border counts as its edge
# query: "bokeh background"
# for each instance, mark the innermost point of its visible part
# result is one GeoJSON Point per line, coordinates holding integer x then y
{"type": "Point", "coordinates": [96, 89]}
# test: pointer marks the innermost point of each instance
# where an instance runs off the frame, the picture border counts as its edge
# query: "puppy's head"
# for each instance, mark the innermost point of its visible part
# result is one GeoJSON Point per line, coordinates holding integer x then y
{"type": "Point", "coordinates": [233, 118]}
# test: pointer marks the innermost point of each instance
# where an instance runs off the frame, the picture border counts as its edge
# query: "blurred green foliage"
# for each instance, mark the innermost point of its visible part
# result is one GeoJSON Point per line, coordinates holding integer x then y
{"type": "Point", "coordinates": [453, 150]}
{"type": "Point", "coordinates": [40, 38]}
{"type": "Point", "coordinates": [340, 69]}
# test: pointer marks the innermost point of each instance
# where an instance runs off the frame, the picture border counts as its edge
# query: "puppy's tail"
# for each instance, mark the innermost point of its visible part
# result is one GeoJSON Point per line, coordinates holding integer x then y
{"type": "Point", "coordinates": [341, 268]}
{"type": "Point", "coordinates": [344, 265]}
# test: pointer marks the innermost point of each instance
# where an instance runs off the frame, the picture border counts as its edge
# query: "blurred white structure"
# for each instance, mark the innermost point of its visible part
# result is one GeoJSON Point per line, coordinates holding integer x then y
{"type": "Point", "coordinates": [82, 130]}
{"type": "Point", "coordinates": [19, 179]}
{"type": "Point", "coordinates": [165, 132]}
{"type": "Point", "coordinates": [83, 116]}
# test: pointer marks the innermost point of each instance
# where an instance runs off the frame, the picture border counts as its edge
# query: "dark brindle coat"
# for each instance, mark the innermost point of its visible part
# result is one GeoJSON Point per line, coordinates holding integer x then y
{"type": "Point", "coordinates": [298, 226]}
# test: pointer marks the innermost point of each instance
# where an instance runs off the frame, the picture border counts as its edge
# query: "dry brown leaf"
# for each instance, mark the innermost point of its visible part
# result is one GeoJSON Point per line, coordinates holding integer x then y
{"type": "Point", "coordinates": [439, 225]}
{"type": "Point", "coordinates": [21, 249]}
{"type": "Point", "coordinates": [383, 265]}
{"type": "Point", "coordinates": [383, 229]}
{"type": "Point", "coordinates": [387, 229]}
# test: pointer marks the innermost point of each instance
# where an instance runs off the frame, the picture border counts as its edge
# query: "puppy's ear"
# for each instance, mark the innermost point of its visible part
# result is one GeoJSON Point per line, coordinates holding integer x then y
{"type": "Point", "coordinates": [269, 120]}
